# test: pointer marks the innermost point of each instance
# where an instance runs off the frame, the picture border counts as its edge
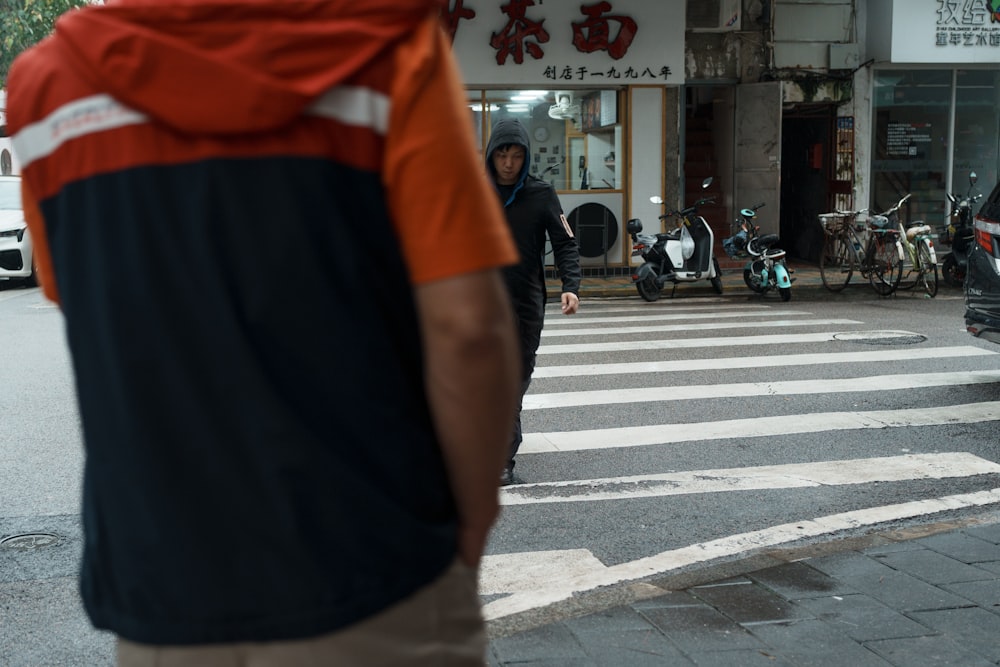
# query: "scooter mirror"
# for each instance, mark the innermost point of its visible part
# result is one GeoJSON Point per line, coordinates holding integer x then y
{"type": "Point", "coordinates": [656, 199]}
{"type": "Point", "coordinates": [973, 178]}
{"type": "Point", "coordinates": [707, 182]}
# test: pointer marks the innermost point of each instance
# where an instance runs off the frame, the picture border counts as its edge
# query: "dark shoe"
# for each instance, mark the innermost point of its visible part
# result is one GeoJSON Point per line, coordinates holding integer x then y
{"type": "Point", "coordinates": [507, 476]}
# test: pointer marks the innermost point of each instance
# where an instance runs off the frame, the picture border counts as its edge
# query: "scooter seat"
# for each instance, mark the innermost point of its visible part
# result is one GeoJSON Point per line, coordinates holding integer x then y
{"type": "Point", "coordinates": [759, 245]}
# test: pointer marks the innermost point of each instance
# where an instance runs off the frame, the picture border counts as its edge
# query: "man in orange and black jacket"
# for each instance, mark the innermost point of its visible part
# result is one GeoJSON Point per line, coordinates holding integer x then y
{"type": "Point", "coordinates": [279, 316]}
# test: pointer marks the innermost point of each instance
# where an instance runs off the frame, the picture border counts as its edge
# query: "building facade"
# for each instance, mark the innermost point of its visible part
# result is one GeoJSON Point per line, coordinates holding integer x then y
{"type": "Point", "coordinates": [805, 105]}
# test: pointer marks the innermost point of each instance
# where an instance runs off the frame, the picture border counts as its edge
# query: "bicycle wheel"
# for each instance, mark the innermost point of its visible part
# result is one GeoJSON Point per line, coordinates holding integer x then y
{"type": "Point", "coordinates": [928, 269]}
{"type": "Point", "coordinates": [837, 262]}
{"type": "Point", "coordinates": [886, 267]}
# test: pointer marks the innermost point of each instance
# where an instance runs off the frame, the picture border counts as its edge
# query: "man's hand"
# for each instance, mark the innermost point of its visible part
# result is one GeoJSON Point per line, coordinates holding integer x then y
{"type": "Point", "coordinates": [570, 303]}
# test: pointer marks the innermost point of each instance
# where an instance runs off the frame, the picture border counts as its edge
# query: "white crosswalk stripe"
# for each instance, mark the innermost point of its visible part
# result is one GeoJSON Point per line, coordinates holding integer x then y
{"type": "Point", "coordinates": [686, 316]}
{"type": "Point", "coordinates": [691, 343]}
{"type": "Point", "coordinates": [687, 339]}
{"type": "Point", "coordinates": [694, 326]}
{"type": "Point", "coordinates": [787, 388]}
{"type": "Point", "coordinates": [728, 363]}
{"type": "Point", "coordinates": [795, 475]}
{"type": "Point", "coordinates": [757, 427]}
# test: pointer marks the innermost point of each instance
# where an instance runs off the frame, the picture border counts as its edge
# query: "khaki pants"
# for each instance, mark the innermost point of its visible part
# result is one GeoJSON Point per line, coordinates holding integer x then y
{"type": "Point", "coordinates": [438, 626]}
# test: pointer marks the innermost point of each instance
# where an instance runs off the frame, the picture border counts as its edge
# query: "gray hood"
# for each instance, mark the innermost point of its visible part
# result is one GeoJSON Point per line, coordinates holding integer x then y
{"type": "Point", "coordinates": [509, 131]}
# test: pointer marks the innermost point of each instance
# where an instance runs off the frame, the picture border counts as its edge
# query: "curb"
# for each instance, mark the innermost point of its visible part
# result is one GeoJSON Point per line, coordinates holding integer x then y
{"type": "Point", "coordinates": [806, 280]}
{"type": "Point", "coordinates": [660, 585]}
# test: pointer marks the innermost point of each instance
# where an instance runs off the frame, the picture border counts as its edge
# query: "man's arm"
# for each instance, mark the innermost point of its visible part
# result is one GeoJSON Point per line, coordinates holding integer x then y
{"type": "Point", "coordinates": [473, 377]}
{"type": "Point", "coordinates": [40, 242]}
{"type": "Point", "coordinates": [567, 255]}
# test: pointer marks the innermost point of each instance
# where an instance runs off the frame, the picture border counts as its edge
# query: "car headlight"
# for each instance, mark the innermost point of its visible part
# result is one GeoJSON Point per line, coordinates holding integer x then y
{"type": "Point", "coordinates": [19, 233]}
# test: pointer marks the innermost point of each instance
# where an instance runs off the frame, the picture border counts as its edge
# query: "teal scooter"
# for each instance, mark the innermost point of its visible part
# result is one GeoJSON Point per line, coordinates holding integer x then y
{"type": "Point", "coordinates": [765, 268]}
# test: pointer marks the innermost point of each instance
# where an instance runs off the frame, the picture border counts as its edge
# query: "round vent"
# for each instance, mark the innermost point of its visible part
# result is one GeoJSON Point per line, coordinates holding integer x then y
{"type": "Point", "coordinates": [595, 227]}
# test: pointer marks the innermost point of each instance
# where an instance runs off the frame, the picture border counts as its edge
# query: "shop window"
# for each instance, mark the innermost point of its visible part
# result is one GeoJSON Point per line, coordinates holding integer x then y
{"type": "Point", "coordinates": [912, 150]}
{"type": "Point", "coordinates": [911, 115]}
{"type": "Point", "coordinates": [576, 135]}
{"type": "Point", "coordinates": [977, 123]}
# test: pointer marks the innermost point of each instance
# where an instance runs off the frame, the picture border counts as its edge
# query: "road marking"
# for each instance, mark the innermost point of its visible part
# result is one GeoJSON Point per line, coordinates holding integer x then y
{"type": "Point", "coordinates": [787, 476]}
{"type": "Point", "coordinates": [693, 326]}
{"type": "Point", "coordinates": [871, 383]}
{"type": "Point", "coordinates": [871, 335]}
{"type": "Point", "coordinates": [755, 427]}
{"type": "Point", "coordinates": [650, 346]}
{"type": "Point", "coordinates": [770, 362]}
{"type": "Point", "coordinates": [534, 580]}
{"type": "Point", "coordinates": [685, 316]}
{"type": "Point", "coordinates": [633, 303]}
{"type": "Point", "coordinates": [598, 309]}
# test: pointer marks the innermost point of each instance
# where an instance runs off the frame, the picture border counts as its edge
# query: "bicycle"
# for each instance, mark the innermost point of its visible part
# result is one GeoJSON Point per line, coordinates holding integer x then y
{"type": "Point", "coordinates": [877, 256]}
{"type": "Point", "coordinates": [920, 260]}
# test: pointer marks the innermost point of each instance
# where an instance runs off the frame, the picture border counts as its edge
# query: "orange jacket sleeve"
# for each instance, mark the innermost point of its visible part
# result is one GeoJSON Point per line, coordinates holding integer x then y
{"type": "Point", "coordinates": [447, 214]}
{"type": "Point", "coordinates": [40, 240]}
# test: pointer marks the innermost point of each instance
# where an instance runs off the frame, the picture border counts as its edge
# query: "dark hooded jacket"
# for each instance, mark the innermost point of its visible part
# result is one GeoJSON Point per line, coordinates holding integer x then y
{"type": "Point", "coordinates": [261, 458]}
{"type": "Point", "coordinates": [533, 211]}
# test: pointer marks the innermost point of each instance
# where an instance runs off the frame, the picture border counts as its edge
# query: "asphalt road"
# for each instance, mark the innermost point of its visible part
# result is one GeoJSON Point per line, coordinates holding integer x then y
{"type": "Point", "coordinates": [701, 428]}
{"type": "Point", "coordinates": [733, 422]}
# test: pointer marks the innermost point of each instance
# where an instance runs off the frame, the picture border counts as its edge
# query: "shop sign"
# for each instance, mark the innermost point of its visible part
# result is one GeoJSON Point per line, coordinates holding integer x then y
{"type": "Point", "coordinates": [528, 42]}
{"type": "Point", "coordinates": [946, 31]}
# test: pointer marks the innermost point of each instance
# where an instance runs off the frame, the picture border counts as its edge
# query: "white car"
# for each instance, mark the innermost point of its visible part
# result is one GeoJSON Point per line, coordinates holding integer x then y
{"type": "Point", "coordinates": [16, 256]}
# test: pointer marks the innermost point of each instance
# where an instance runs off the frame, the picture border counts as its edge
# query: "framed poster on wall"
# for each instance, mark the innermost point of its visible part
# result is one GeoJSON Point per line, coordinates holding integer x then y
{"type": "Point", "coordinates": [599, 110]}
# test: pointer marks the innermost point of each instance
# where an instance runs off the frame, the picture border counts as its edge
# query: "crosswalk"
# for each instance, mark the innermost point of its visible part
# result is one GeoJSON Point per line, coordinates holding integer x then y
{"type": "Point", "coordinates": [637, 413]}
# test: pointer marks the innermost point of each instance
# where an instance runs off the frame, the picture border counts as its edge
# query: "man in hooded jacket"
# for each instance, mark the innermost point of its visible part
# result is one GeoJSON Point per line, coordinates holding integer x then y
{"type": "Point", "coordinates": [533, 211]}
{"type": "Point", "coordinates": [294, 355]}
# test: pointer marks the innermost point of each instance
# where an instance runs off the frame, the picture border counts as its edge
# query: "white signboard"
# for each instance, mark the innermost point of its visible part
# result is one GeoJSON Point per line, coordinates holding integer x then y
{"type": "Point", "coordinates": [945, 31]}
{"type": "Point", "coordinates": [557, 43]}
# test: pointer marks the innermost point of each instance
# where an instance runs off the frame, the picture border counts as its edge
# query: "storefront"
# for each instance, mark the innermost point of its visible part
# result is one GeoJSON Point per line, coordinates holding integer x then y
{"type": "Point", "coordinates": [588, 81]}
{"type": "Point", "coordinates": [935, 103]}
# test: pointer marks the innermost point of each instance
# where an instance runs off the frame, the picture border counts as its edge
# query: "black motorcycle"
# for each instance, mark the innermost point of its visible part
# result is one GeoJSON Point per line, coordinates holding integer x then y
{"type": "Point", "coordinates": [959, 234]}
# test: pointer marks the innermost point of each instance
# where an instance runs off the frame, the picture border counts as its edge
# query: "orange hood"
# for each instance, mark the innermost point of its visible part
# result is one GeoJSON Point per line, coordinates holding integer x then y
{"type": "Point", "coordinates": [227, 66]}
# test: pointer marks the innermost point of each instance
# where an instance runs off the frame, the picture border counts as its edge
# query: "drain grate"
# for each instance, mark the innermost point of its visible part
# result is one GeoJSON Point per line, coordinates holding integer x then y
{"type": "Point", "coordinates": [29, 541]}
{"type": "Point", "coordinates": [881, 337]}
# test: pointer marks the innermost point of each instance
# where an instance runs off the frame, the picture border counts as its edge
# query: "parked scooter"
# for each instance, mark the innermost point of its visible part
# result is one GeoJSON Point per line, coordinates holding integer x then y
{"type": "Point", "coordinates": [765, 269]}
{"type": "Point", "coordinates": [681, 255]}
{"type": "Point", "coordinates": [959, 234]}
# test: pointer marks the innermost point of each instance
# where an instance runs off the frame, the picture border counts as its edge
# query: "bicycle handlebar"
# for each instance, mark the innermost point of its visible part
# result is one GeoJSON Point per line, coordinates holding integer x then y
{"type": "Point", "coordinates": [895, 208]}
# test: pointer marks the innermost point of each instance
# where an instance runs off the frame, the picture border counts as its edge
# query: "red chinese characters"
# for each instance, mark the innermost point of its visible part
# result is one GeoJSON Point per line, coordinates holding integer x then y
{"type": "Point", "coordinates": [522, 35]}
{"type": "Point", "coordinates": [516, 36]}
{"type": "Point", "coordinates": [452, 14]}
{"type": "Point", "coordinates": [594, 34]}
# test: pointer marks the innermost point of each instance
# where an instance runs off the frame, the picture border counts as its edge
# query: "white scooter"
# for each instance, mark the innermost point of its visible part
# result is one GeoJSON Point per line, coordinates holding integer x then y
{"type": "Point", "coordinates": [681, 255]}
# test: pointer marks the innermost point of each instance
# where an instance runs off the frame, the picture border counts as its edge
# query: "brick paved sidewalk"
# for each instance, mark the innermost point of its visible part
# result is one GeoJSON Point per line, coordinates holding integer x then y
{"type": "Point", "coordinates": [888, 599]}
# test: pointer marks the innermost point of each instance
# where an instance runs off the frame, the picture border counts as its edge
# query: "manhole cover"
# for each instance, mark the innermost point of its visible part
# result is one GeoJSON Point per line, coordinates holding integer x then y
{"type": "Point", "coordinates": [29, 541]}
{"type": "Point", "coordinates": [881, 337]}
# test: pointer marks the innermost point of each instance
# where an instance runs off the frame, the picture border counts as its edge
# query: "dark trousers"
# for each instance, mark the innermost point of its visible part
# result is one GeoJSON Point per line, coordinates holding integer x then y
{"type": "Point", "coordinates": [531, 335]}
{"type": "Point", "coordinates": [518, 436]}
